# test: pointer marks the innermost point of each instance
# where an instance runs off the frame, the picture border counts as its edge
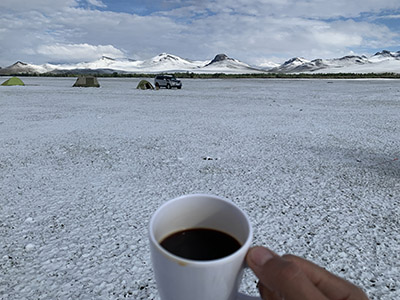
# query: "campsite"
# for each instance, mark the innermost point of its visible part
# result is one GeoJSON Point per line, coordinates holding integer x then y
{"type": "Point", "coordinates": [314, 164]}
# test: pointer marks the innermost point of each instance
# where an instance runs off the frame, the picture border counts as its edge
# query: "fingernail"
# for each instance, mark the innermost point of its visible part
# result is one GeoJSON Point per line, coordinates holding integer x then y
{"type": "Point", "coordinates": [259, 255]}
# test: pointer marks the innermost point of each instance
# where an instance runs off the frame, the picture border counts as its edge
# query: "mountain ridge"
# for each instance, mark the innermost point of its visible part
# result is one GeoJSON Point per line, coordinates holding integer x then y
{"type": "Point", "coordinates": [381, 62]}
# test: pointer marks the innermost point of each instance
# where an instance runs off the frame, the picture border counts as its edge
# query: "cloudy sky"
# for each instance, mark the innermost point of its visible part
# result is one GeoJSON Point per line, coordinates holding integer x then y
{"type": "Point", "coordinates": [254, 31]}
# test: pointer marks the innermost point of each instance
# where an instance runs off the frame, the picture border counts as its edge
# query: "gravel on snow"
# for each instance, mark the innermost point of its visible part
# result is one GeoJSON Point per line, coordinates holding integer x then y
{"type": "Point", "coordinates": [314, 163]}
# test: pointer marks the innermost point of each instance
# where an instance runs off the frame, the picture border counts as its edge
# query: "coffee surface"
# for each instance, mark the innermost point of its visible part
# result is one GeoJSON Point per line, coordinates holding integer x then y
{"type": "Point", "coordinates": [200, 244]}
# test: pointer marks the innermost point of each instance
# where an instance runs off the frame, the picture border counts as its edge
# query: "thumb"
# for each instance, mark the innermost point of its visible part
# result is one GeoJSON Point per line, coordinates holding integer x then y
{"type": "Point", "coordinates": [281, 276]}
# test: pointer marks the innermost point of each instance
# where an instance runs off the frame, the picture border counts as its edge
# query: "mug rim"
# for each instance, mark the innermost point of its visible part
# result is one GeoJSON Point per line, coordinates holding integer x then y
{"type": "Point", "coordinates": [185, 261]}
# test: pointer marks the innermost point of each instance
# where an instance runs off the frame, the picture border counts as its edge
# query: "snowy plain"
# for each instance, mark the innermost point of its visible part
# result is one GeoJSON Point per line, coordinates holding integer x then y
{"type": "Point", "coordinates": [314, 163]}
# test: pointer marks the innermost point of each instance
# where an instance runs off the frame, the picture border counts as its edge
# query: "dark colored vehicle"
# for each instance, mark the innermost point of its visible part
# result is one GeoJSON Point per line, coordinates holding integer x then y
{"type": "Point", "coordinates": [167, 81]}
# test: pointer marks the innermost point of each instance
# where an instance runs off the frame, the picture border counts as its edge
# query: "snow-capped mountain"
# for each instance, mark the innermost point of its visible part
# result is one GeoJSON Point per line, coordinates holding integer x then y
{"type": "Point", "coordinates": [385, 56]}
{"type": "Point", "coordinates": [268, 65]}
{"type": "Point", "coordinates": [224, 64]}
{"type": "Point", "coordinates": [21, 67]}
{"type": "Point", "coordinates": [301, 65]}
{"type": "Point", "coordinates": [380, 62]}
{"type": "Point", "coordinates": [161, 63]}
{"type": "Point", "coordinates": [295, 64]}
{"type": "Point", "coordinates": [168, 62]}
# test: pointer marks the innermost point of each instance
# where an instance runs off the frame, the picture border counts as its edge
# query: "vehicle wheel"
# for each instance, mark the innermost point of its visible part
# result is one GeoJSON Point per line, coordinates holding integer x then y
{"type": "Point", "coordinates": [157, 86]}
{"type": "Point", "coordinates": [179, 87]}
{"type": "Point", "coordinates": [168, 86]}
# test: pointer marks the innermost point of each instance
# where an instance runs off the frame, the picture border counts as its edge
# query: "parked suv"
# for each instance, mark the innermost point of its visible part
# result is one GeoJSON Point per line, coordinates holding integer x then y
{"type": "Point", "coordinates": [167, 81]}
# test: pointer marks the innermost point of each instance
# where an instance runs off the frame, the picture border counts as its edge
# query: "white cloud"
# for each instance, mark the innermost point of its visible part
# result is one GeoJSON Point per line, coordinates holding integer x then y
{"type": "Point", "coordinates": [395, 16]}
{"type": "Point", "coordinates": [78, 52]}
{"type": "Point", "coordinates": [250, 30]}
{"type": "Point", "coordinates": [320, 9]}
{"type": "Point", "coordinates": [39, 30]}
{"type": "Point", "coordinates": [97, 3]}
{"type": "Point", "coordinates": [249, 38]}
{"type": "Point", "coordinates": [37, 5]}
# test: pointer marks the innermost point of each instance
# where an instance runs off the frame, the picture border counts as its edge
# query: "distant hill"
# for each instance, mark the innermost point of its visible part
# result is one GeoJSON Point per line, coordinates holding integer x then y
{"type": "Point", "coordinates": [380, 62]}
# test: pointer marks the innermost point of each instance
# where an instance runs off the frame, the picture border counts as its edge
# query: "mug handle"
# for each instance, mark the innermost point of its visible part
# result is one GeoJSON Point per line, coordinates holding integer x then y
{"type": "Point", "coordinates": [241, 296]}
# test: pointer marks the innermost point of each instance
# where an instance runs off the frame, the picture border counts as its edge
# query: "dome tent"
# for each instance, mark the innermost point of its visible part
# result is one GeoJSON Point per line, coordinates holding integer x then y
{"type": "Point", "coordinates": [145, 85]}
{"type": "Point", "coordinates": [13, 81]}
{"type": "Point", "coordinates": [86, 81]}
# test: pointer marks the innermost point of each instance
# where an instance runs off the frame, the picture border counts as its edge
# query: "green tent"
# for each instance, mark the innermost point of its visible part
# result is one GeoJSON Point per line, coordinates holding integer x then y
{"type": "Point", "coordinates": [13, 81]}
{"type": "Point", "coordinates": [145, 85]}
{"type": "Point", "coordinates": [86, 81]}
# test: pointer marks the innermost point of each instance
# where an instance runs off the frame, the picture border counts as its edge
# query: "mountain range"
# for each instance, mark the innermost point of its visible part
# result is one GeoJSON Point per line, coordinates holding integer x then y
{"type": "Point", "coordinates": [381, 62]}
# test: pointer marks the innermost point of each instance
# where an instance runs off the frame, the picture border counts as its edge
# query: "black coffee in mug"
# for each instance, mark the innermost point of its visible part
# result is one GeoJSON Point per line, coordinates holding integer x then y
{"type": "Point", "coordinates": [200, 244]}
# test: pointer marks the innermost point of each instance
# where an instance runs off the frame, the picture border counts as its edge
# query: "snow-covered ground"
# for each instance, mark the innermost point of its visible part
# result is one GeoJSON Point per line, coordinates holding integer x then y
{"type": "Point", "coordinates": [314, 163]}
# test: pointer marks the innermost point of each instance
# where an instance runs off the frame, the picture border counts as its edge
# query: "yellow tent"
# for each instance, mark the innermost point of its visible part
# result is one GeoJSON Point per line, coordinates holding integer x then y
{"type": "Point", "coordinates": [13, 81]}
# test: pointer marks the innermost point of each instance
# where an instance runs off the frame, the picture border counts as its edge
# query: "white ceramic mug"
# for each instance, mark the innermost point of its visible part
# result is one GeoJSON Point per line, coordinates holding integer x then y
{"type": "Point", "coordinates": [184, 279]}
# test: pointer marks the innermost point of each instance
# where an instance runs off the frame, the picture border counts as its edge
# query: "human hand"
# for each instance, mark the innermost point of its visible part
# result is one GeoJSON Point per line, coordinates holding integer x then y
{"type": "Point", "coordinates": [293, 278]}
